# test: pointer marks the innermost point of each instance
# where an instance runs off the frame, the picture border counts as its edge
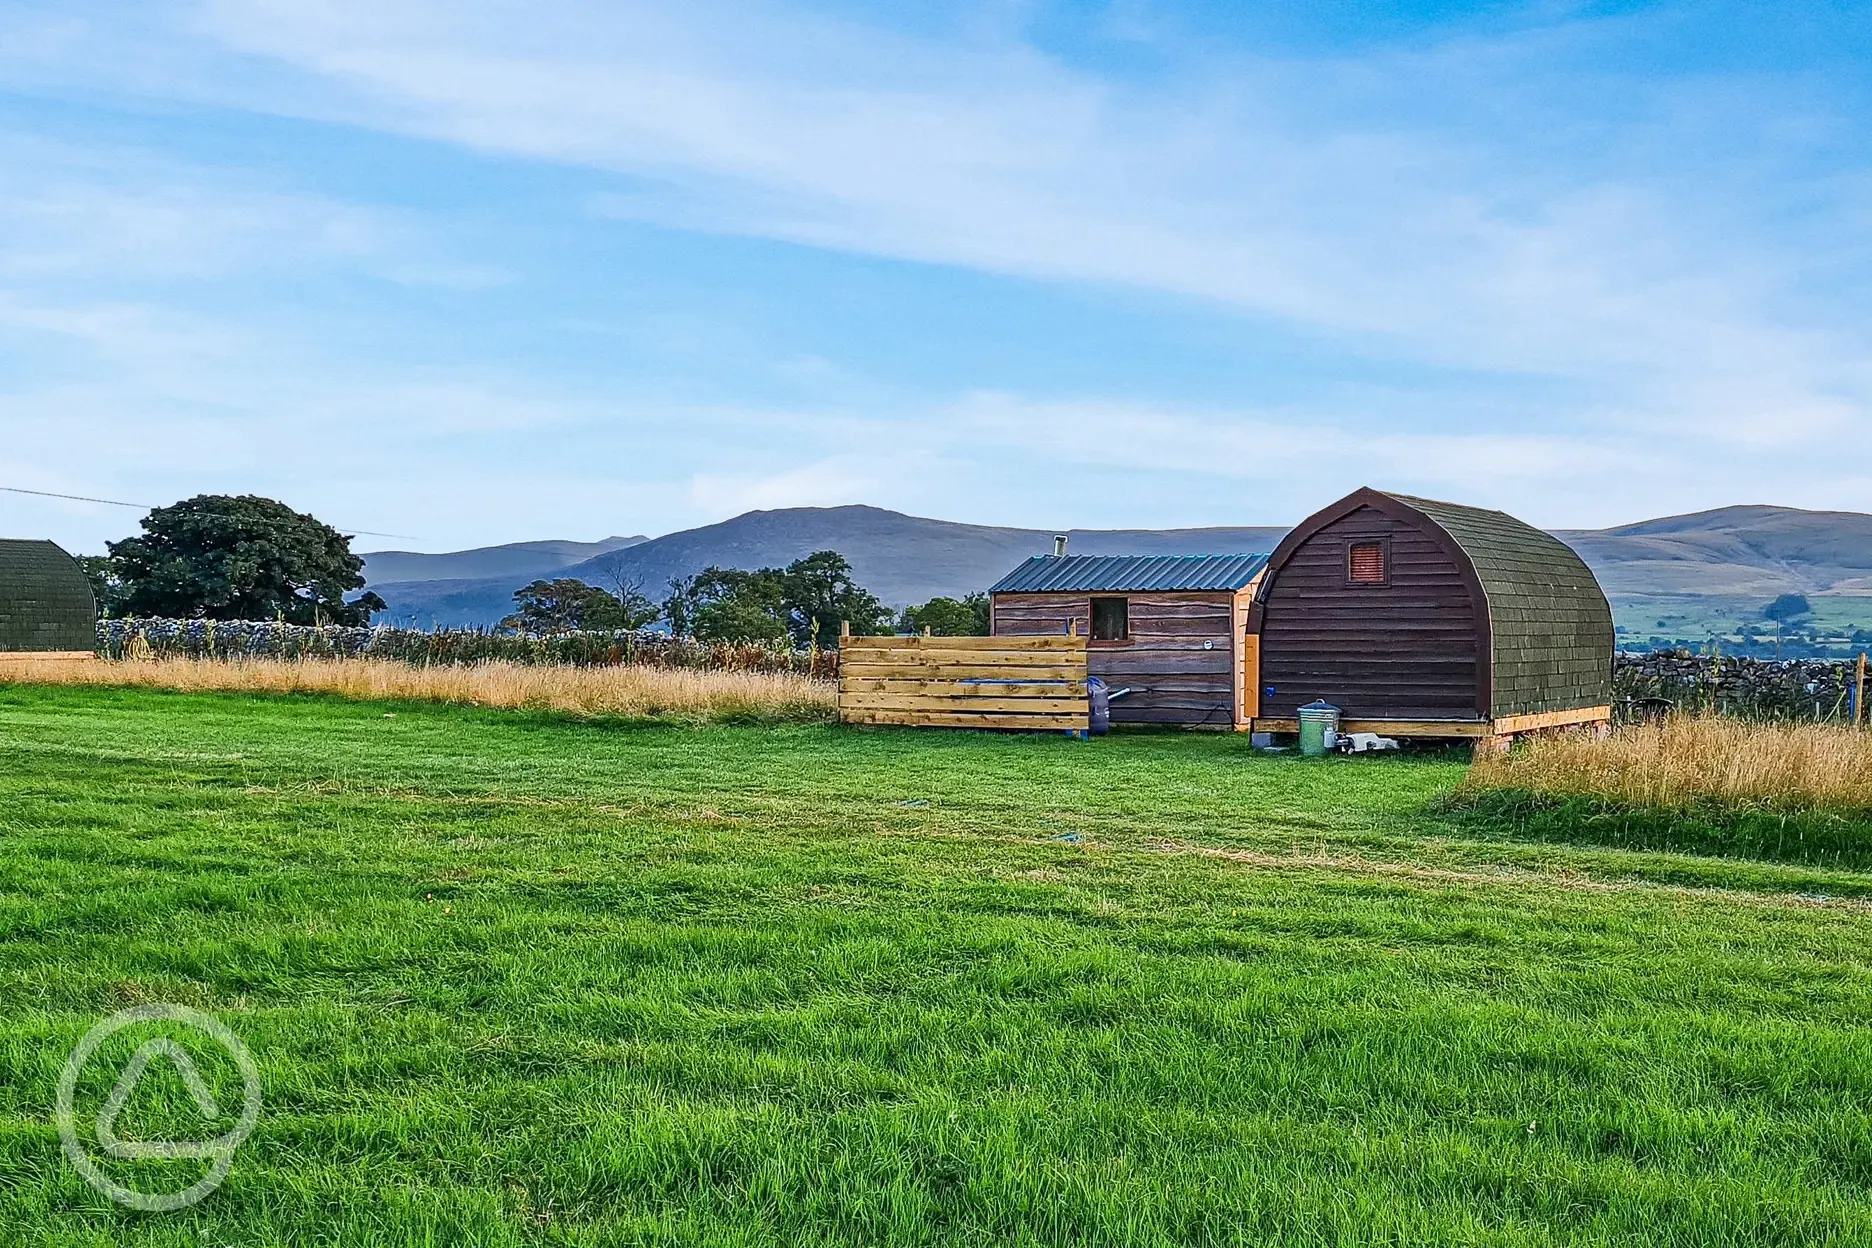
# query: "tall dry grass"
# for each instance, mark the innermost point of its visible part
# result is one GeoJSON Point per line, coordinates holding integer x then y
{"type": "Point", "coordinates": [632, 692]}
{"type": "Point", "coordinates": [1687, 760]}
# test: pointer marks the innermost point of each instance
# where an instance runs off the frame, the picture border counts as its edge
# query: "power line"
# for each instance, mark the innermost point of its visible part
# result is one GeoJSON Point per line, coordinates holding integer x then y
{"type": "Point", "coordinates": [112, 502]}
{"type": "Point", "coordinates": [14, 489]}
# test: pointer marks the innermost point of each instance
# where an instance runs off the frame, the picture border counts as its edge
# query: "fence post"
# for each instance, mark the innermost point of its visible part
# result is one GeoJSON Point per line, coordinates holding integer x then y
{"type": "Point", "coordinates": [1859, 693]}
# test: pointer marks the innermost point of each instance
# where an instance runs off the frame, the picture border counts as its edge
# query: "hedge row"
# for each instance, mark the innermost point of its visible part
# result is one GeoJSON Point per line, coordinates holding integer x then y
{"type": "Point", "coordinates": [234, 639]}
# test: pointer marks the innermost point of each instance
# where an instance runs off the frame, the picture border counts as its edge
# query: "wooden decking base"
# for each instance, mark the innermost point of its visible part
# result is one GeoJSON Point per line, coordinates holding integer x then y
{"type": "Point", "coordinates": [1495, 734]}
{"type": "Point", "coordinates": [46, 656]}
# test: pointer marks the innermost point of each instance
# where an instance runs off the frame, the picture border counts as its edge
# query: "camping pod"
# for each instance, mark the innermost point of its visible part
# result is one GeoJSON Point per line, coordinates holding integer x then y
{"type": "Point", "coordinates": [46, 607]}
{"type": "Point", "coordinates": [1423, 618]}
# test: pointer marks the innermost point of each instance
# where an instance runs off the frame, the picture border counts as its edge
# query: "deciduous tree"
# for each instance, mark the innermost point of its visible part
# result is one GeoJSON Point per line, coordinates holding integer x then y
{"type": "Point", "coordinates": [240, 558]}
{"type": "Point", "coordinates": [949, 617]}
{"type": "Point", "coordinates": [801, 604]}
{"type": "Point", "coordinates": [567, 605]}
{"type": "Point", "coordinates": [820, 595]}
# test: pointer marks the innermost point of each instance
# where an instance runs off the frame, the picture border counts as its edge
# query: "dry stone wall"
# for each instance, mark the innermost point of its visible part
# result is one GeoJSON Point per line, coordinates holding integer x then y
{"type": "Point", "coordinates": [1785, 689]}
{"type": "Point", "coordinates": [241, 639]}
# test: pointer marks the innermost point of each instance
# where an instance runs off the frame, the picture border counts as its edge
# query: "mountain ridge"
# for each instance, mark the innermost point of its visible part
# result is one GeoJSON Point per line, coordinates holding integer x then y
{"type": "Point", "coordinates": [509, 559]}
{"type": "Point", "coordinates": [1746, 552]}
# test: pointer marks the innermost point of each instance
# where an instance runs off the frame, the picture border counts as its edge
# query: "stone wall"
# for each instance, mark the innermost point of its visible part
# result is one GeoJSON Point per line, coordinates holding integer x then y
{"type": "Point", "coordinates": [244, 639]}
{"type": "Point", "coordinates": [1796, 689]}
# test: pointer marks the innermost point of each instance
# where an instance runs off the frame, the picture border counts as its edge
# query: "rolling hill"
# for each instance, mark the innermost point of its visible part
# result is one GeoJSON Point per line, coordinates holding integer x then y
{"type": "Point", "coordinates": [903, 559]}
{"type": "Point", "coordinates": [526, 560]}
{"type": "Point", "coordinates": [1715, 564]}
{"type": "Point", "coordinates": [1752, 551]}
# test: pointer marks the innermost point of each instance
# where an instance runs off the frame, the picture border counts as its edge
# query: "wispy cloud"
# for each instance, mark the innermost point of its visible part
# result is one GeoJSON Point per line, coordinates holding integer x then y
{"type": "Point", "coordinates": [1438, 204]}
{"type": "Point", "coordinates": [1556, 273]}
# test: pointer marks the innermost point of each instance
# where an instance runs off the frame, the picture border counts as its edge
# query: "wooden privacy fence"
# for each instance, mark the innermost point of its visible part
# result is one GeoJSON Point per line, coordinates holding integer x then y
{"type": "Point", "coordinates": [965, 682]}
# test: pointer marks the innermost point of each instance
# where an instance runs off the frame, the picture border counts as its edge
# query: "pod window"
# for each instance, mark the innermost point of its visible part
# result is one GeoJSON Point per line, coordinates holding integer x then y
{"type": "Point", "coordinates": [1111, 619]}
{"type": "Point", "coordinates": [1367, 563]}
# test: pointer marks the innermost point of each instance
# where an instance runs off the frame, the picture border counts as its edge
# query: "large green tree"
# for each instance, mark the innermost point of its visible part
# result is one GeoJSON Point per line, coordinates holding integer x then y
{"type": "Point", "coordinates": [820, 594]}
{"type": "Point", "coordinates": [240, 558]}
{"type": "Point", "coordinates": [802, 603]}
{"type": "Point", "coordinates": [106, 586]}
{"type": "Point", "coordinates": [568, 604]}
{"type": "Point", "coordinates": [729, 604]}
{"type": "Point", "coordinates": [949, 617]}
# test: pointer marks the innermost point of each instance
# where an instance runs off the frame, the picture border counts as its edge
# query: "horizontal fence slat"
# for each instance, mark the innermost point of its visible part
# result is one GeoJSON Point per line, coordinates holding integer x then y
{"type": "Point", "coordinates": [939, 702]}
{"type": "Point", "coordinates": [949, 663]}
{"type": "Point", "coordinates": [1056, 642]}
{"type": "Point", "coordinates": [938, 719]}
{"type": "Point", "coordinates": [1026, 675]}
{"type": "Point", "coordinates": [987, 688]}
{"type": "Point", "coordinates": [857, 655]}
{"type": "Point", "coordinates": [1033, 683]}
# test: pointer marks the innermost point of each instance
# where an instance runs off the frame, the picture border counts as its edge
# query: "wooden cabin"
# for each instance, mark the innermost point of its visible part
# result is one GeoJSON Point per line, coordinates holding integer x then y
{"type": "Point", "coordinates": [1423, 619]}
{"type": "Point", "coordinates": [46, 607]}
{"type": "Point", "coordinates": [1171, 629]}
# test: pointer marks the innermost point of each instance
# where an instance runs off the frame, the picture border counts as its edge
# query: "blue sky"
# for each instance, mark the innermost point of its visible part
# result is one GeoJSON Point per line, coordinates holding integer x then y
{"type": "Point", "coordinates": [478, 271]}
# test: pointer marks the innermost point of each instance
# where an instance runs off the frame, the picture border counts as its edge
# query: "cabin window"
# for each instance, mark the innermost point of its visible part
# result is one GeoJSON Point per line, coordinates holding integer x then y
{"type": "Point", "coordinates": [1367, 563]}
{"type": "Point", "coordinates": [1111, 619]}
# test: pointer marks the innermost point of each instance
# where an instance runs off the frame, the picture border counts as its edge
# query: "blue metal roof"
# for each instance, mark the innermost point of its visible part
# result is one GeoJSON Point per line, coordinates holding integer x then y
{"type": "Point", "coordinates": [1129, 574]}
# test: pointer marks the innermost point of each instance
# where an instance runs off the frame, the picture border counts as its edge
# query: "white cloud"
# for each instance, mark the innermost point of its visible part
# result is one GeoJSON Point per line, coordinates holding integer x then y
{"type": "Point", "coordinates": [1304, 192]}
{"type": "Point", "coordinates": [1479, 210]}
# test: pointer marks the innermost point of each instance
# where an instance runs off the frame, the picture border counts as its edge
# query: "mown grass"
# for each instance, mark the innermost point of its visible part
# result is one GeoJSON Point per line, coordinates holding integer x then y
{"type": "Point", "coordinates": [514, 979]}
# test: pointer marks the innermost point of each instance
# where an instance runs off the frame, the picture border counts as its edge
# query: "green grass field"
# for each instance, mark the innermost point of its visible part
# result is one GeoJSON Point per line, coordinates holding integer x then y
{"type": "Point", "coordinates": [515, 980]}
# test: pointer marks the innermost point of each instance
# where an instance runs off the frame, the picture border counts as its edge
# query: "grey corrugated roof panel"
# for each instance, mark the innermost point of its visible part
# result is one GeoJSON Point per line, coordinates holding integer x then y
{"type": "Point", "coordinates": [1130, 574]}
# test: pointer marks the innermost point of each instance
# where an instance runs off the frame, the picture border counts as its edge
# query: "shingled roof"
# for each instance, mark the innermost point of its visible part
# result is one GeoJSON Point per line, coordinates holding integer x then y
{"type": "Point", "coordinates": [1549, 622]}
{"type": "Point", "coordinates": [45, 600]}
{"type": "Point", "coordinates": [1130, 574]}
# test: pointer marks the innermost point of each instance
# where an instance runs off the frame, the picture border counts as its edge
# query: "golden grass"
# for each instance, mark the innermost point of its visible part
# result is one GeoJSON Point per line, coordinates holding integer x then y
{"type": "Point", "coordinates": [629, 691]}
{"type": "Point", "coordinates": [1688, 759]}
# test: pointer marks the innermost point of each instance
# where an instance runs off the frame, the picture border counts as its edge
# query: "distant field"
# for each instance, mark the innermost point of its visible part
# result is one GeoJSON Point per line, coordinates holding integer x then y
{"type": "Point", "coordinates": [516, 979]}
{"type": "Point", "coordinates": [1700, 616]}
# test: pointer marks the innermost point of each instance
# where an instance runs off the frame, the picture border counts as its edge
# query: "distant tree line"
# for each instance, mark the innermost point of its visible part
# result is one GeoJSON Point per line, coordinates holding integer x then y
{"type": "Point", "coordinates": [225, 557]}
{"type": "Point", "coordinates": [804, 605]}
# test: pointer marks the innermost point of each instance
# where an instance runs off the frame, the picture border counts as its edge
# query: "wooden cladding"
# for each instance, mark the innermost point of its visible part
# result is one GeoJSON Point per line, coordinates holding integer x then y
{"type": "Point", "coordinates": [1405, 649]}
{"type": "Point", "coordinates": [1034, 683]}
{"type": "Point", "coordinates": [1181, 661]}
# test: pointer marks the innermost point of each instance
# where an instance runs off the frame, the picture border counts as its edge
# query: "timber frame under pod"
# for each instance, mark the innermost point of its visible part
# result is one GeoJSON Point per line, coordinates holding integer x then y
{"type": "Point", "coordinates": [1428, 619]}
